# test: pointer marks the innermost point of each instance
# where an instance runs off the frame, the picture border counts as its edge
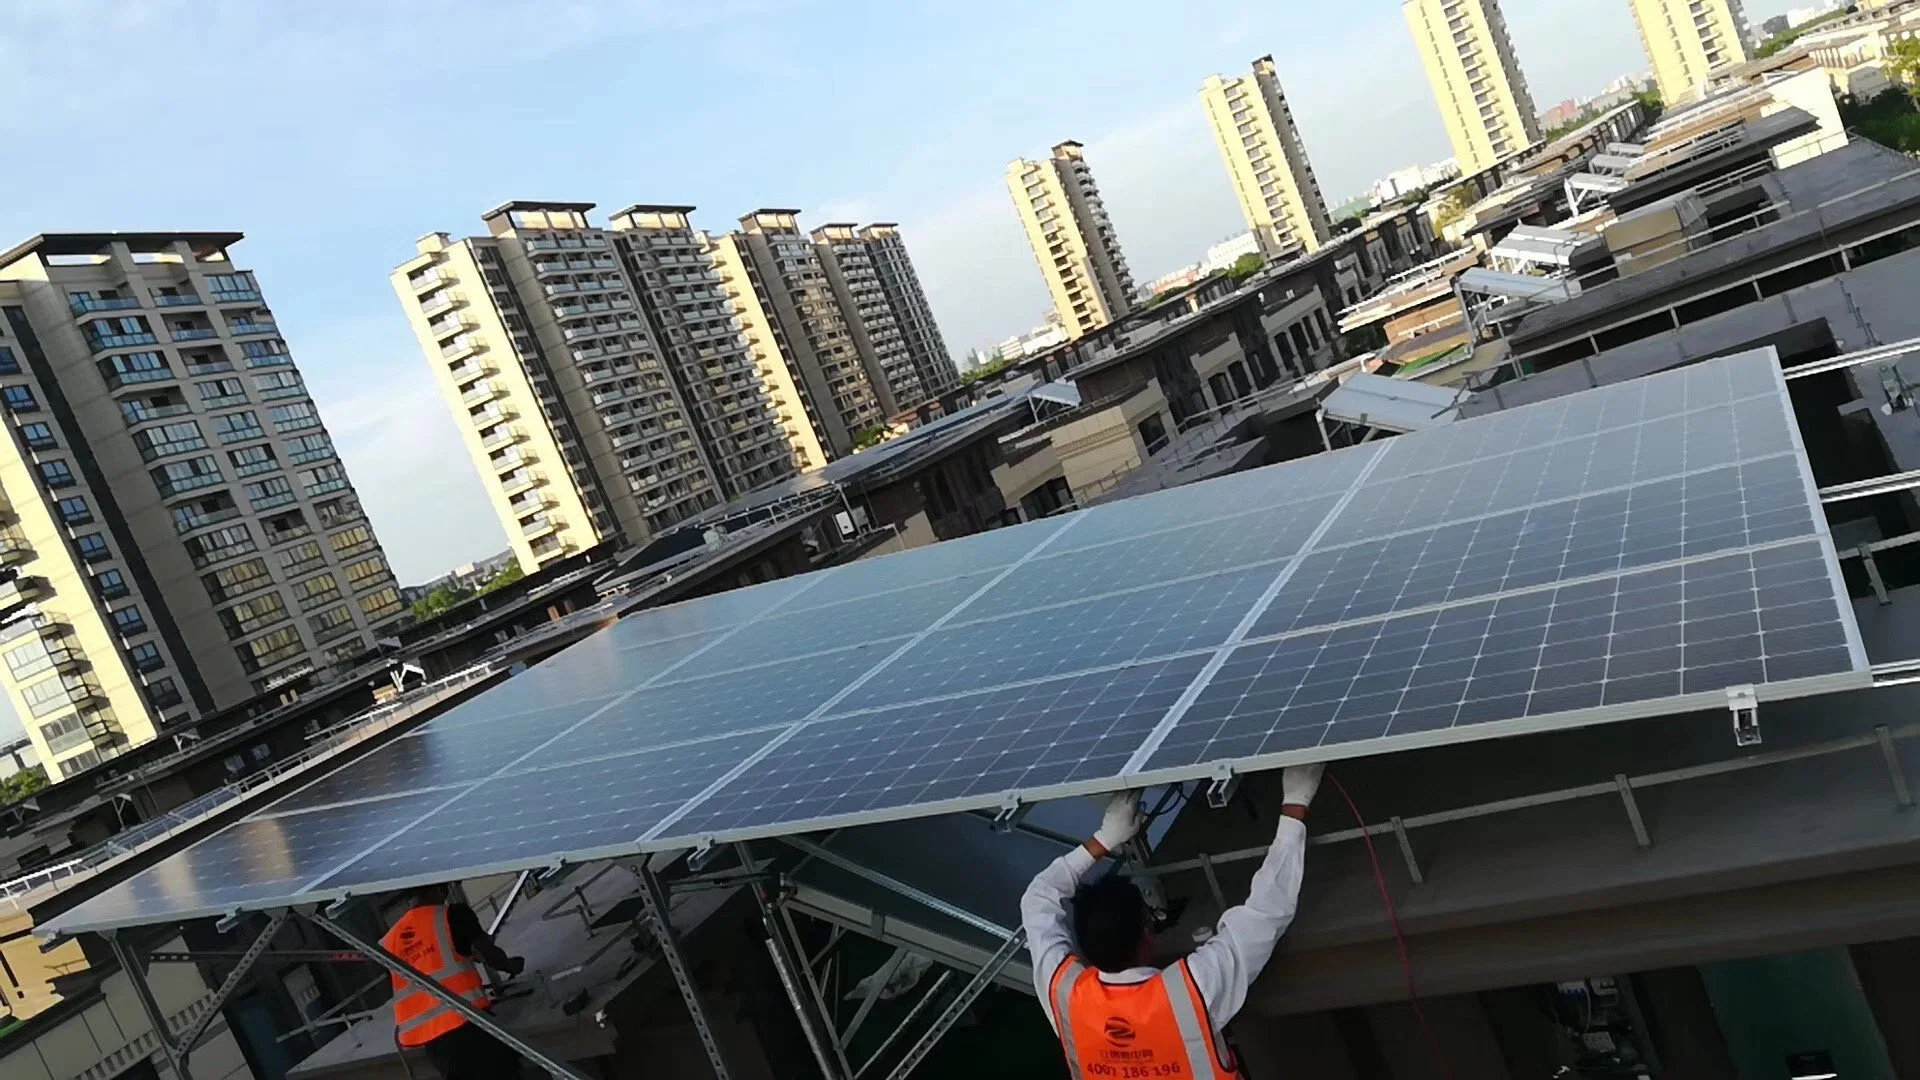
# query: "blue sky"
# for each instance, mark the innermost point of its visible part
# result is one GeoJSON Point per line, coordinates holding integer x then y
{"type": "Point", "coordinates": [334, 134]}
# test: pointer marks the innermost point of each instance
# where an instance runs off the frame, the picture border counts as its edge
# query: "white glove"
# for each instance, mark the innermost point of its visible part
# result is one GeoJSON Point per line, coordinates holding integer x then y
{"type": "Point", "coordinates": [1122, 821]}
{"type": "Point", "coordinates": [1298, 783]}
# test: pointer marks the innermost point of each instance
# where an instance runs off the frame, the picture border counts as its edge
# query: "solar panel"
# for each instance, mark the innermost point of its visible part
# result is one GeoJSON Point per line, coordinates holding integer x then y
{"type": "Point", "coordinates": [1630, 551]}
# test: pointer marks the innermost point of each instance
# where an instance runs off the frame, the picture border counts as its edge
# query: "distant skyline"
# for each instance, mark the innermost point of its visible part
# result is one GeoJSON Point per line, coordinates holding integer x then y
{"type": "Point", "coordinates": [342, 131]}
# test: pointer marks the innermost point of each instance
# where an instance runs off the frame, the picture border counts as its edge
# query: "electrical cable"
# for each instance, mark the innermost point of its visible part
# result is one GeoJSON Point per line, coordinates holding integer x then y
{"type": "Point", "coordinates": [1399, 938]}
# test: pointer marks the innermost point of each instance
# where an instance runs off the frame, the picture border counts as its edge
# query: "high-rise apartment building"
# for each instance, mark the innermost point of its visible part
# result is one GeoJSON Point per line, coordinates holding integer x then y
{"type": "Point", "coordinates": [694, 321]}
{"type": "Point", "coordinates": [179, 534]}
{"type": "Point", "coordinates": [1072, 238]}
{"type": "Point", "coordinates": [1268, 162]}
{"type": "Point", "coordinates": [1688, 39]}
{"type": "Point", "coordinates": [563, 395]}
{"type": "Point", "coordinates": [800, 337]}
{"type": "Point", "coordinates": [876, 332]}
{"type": "Point", "coordinates": [1476, 79]}
{"type": "Point", "coordinates": [925, 346]}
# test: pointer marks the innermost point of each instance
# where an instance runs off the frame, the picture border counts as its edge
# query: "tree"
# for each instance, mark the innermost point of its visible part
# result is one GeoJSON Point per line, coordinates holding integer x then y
{"type": "Point", "coordinates": [870, 436]}
{"type": "Point", "coordinates": [1651, 102]}
{"type": "Point", "coordinates": [1902, 65]}
{"type": "Point", "coordinates": [1453, 207]}
{"type": "Point", "coordinates": [22, 784]}
{"type": "Point", "coordinates": [1245, 266]}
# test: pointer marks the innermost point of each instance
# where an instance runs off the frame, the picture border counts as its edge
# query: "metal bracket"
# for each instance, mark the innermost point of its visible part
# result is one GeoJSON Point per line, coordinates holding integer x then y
{"type": "Point", "coordinates": [1894, 770]}
{"type": "Point", "coordinates": [1625, 786]}
{"type": "Point", "coordinates": [1873, 575]}
{"type": "Point", "coordinates": [701, 857]}
{"type": "Point", "coordinates": [1010, 814]}
{"type": "Point", "coordinates": [1745, 706]}
{"type": "Point", "coordinates": [228, 922]}
{"type": "Point", "coordinates": [1222, 785]}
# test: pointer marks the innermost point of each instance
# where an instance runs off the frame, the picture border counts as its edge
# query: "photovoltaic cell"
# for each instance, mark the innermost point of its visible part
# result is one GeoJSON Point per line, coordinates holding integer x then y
{"type": "Point", "coordinates": [1634, 550]}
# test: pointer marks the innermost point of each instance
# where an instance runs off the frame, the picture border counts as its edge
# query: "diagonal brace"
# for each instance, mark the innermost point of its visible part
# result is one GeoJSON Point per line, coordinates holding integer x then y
{"type": "Point", "coordinates": [193, 1035]}
{"type": "Point", "coordinates": [137, 975]}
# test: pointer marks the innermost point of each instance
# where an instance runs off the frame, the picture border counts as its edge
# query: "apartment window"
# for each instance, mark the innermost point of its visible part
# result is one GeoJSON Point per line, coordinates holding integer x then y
{"type": "Point", "coordinates": [56, 474]}
{"type": "Point", "coordinates": [92, 547]}
{"type": "Point", "coordinates": [130, 368]}
{"type": "Point", "coordinates": [33, 658]}
{"type": "Point", "coordinates": [309, 448]}
{"type": "Point", "coordinates": [237, 580]}
{"type": "Point", "coordinates": [346, 650]}
{"type": "Point", "coordinates": [324, 480]}
{"type": "Point", "coordinates": [219, 393]}
{"type": "Point", "coordinates": [279, 384]}
{"type": "Point", "coordinates": [366, 572]}
{"type": "Point", "coordinates": [19, 399]}
{"type": "Point", "coordinates": [1153, 433]}
{"type": "Point", "coordinates": [269, 493]}
{"type": "Point", "coordinates": [227, 288]}
{"type": "Point", "coordinates": [252, 460]}
{"type": "Point", "coordinates": [75, 511]}
{"type": "Point", "coordinates": [110, 585]}
{"type": "Point", "coordinates": [163, 693]}
{"type": "Point", "coordinates": [332, 623]}
{"type": "Point", "coordinates": [256, 614]}
{"type": "Point", "coordinates": [220, 545]}
{"type": "Point", "coordinates": [146, 657]}
{"type": "Point", "coordinates": [8, 364]}
{"type": "Point", "coordinates": [379, 605]}
{"type": "Point", "coordinates": [293, 417]}
{"type": "Point", "coordinates": [238, 427]}
{"type": "Point", "coordinates": [52, 695]}
{"type": "Point", "coordinates": [147, 410]}
{"type": "Point", "coordinates": [129, 620]}
{"type": "Point", "coordinates": [182, 476]}
{"type": "Point", "coordinates": [351, 541]}
{"type": "Point", "coordinates": [294, 560]}
{"type": "Point", "coordinates": [265, 353]}
{"type": "Point", "coordinates": [204, 512]}
{"type": "Point", "coordinates": [38, 437]}
{"type": "Point", "coordinates": [316, 590]}
{"type": "Point", "coordinates": [168, 439]}
{"type": "Point", "coordinates": [282, 644]}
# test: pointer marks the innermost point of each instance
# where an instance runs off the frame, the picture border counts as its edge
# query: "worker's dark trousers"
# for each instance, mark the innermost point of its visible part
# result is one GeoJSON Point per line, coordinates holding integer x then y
{"type": "Point", "coordinates": [467, 1053]}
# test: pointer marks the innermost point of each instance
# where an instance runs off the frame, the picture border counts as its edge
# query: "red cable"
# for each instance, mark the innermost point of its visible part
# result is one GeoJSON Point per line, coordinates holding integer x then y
{"type": "Point", "coordinates": [1399, 939]}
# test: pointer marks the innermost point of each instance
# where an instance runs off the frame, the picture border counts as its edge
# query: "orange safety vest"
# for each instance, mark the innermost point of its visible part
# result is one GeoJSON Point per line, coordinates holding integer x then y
{"type": "Point", "coordinates": [1136, 1031]}
{"type": "Point", "coordinates": [422, 939]}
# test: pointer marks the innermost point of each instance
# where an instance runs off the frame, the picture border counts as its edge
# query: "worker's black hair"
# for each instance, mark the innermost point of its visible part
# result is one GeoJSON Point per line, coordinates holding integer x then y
{"type": "Point", "coordinates": [1110, 920]}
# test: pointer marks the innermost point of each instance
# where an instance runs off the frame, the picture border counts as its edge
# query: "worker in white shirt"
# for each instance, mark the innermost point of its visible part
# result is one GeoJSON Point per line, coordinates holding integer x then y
{"type": "Point", "coordinates": [1120, 1016]}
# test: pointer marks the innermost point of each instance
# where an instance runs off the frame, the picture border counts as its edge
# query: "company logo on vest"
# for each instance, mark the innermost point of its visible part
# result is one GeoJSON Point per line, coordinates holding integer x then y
{"type": "Point", "coordinates": [1119, 1031]}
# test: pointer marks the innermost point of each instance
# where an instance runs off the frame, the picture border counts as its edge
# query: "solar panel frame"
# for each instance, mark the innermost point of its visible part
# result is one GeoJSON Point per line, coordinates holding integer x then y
{"type": "Point", "coordinates": [998, 556]}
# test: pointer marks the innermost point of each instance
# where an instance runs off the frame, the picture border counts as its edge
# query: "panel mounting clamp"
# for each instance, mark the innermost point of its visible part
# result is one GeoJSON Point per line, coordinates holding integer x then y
{"type": "Point", "coordinates": [701, 855]}
{"type": "Point", "coordinates": [1221, 785]}
{"type": "Point", "coordinates": [1745, 706]}
{"type": "Point", "coordinates": [1010, 813]}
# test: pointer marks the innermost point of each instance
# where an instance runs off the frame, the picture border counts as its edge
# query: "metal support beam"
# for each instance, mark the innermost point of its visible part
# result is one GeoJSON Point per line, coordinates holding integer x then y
{"type": "Point", "coordinates": [1894, 770]}
{"type": "Point", "coordinates": [660, 920]}
{"type": "Point", "coordinates": [506, 906]}
{"type": "Point", "coordinates": [192, 1036]}
{"type": "Point", "coordinates": [1406, 850]}
{"type": "Point", "coordinates": [137, 975]}
{"type": "Point", "coordinates": [212, 956]}
{"type": "Point", "coordinates": [1213, 882]}
{"type": "Point", "coordinates": [803, 991]}
{"type": "Point", "coordinates": [918, 896]}
{"type": "Point", "coordinates": [471, 1015]}
{"type": "Point", "coordinates": [946, 976]}
{"type": "Point", "coordinates": [1879, 485]}
{"type": "Point", "coordinates": [958, 1006]}
{"type": "Point", "coordinates": [881, 979]}
{"type": "Point", "coordinates": [1873, 575]}
{"type": "Point", "coordinates": [1633, 810]}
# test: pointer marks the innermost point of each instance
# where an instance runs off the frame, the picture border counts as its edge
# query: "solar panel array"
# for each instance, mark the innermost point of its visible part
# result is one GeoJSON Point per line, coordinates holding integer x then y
{"type": "Point", "coordinates": [1629, 551]}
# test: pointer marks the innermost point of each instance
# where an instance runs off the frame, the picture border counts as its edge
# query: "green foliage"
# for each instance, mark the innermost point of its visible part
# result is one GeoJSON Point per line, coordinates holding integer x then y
{"type": "Point", "coordinates": [1779, 42]}
{"type": "Point", "coordinates": [22, 784]}
{"type": "Point", "coordinates": [447, 597]}
{"type": "Point", "coordinates": [1651, 102]}
{"type": "Point", "coordinates": [1453, 207]}
{"type": "Point", "coordinates": [1889, 119]}
{"type": "Point", "coordinates": [1245, 266]}
{"type": "Point", "coordinates": [992, 367]}
{"type": "Point", "coordinates": [1902, 64]}
{"type": "Point", "coordinates": [869, 436]}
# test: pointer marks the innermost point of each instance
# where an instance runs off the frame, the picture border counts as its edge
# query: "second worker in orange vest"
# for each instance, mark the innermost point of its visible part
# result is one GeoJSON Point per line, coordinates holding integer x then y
{"type": "Point", "coordinates": [442, 941]}
{"type": "Point", "coordinates": [1120, 1017]}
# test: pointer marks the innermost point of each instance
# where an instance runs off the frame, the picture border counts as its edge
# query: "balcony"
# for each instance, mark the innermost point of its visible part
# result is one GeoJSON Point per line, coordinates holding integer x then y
{"type": "Point", "coordinates": [210, 367]}
{"type": "Point", "coordinates": [509, 461]}
{"type": "Point", "coordinates": [512, 483]}
{"type": "Point", "coordinates": [147, 414]}
{"type": "Point", "coordinates": [237, 296]}
{"type": "Point", "coordinates": [467, 372]}
{"type": "Point", "coordinates": [176, 300]}
{"type": "Point", "coordinates": [296, 390]}
{"type": "Point", "coordinates": [13, 548]}
{"type": "Point", "coordinates": [173, 489]}
{"type": "Point", "coordinates": [533, 504]}
{"type": "Point", "coordinates": [242, 328]}
{"type": "Point", "coordinates": [86, 305]}
{"type": "Point", "coordinates": [480, 393]}
{"type": "Point", "coordinates": [193, 522]}
{"type": "Point", "coordinates": [339, 510]}
{"type": "Point", "coordinates": [439, 302]}
{"type": "Point", "coordinates": [22, 590]}
{"type": "Point", "coordinates": [106, 342]}
{"type": "Point", "coordinates": [460, 349]}
{"type": "Point", "coordinates": [326, 487]}
{"type": "Point", "coordinates": [539, 526]}
{"type": "Point", "coordinates": [195, 333]}
{"type": "Point", "coordinates": [74, 692]}
{"type": "Point", "coordinates": [120, 380]}
{"type": "Point", "coordinates": [505, 436]}
{"type": "Point", "coordinates": [268, 502]}
{"type": "Point", "coordinates": [270, 360]}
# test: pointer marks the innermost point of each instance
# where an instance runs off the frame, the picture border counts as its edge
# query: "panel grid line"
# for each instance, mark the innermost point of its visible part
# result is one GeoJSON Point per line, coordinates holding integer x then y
{"type": "Point", "coordinates": [846, 691]}
{"type": "Point", "coordinates": [497, 773]}
{"type": "Point", "coordinates": [1200, 681]}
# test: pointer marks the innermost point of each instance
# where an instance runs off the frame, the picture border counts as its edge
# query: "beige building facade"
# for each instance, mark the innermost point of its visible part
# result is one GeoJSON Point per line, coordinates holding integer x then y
{"type": "Point", "coordinates": [925, 347]}
{"type": "Point", "coordinates": [1477, 83]}
{"type": "Point", "coordinates": [1688, 40]}
{"type": "Point", "coordinates": [877, 334]}
{"type": "Point", "coordinates": [1072, 239]}
{"type": "Point", "coordinates": [793, 320]}
{"type": "Point", "coordinates": [180, 534]}
{"type": "Point", "coordinates": [1272, 175]}
{"type": "Point", "coordinates": [565, 398]}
